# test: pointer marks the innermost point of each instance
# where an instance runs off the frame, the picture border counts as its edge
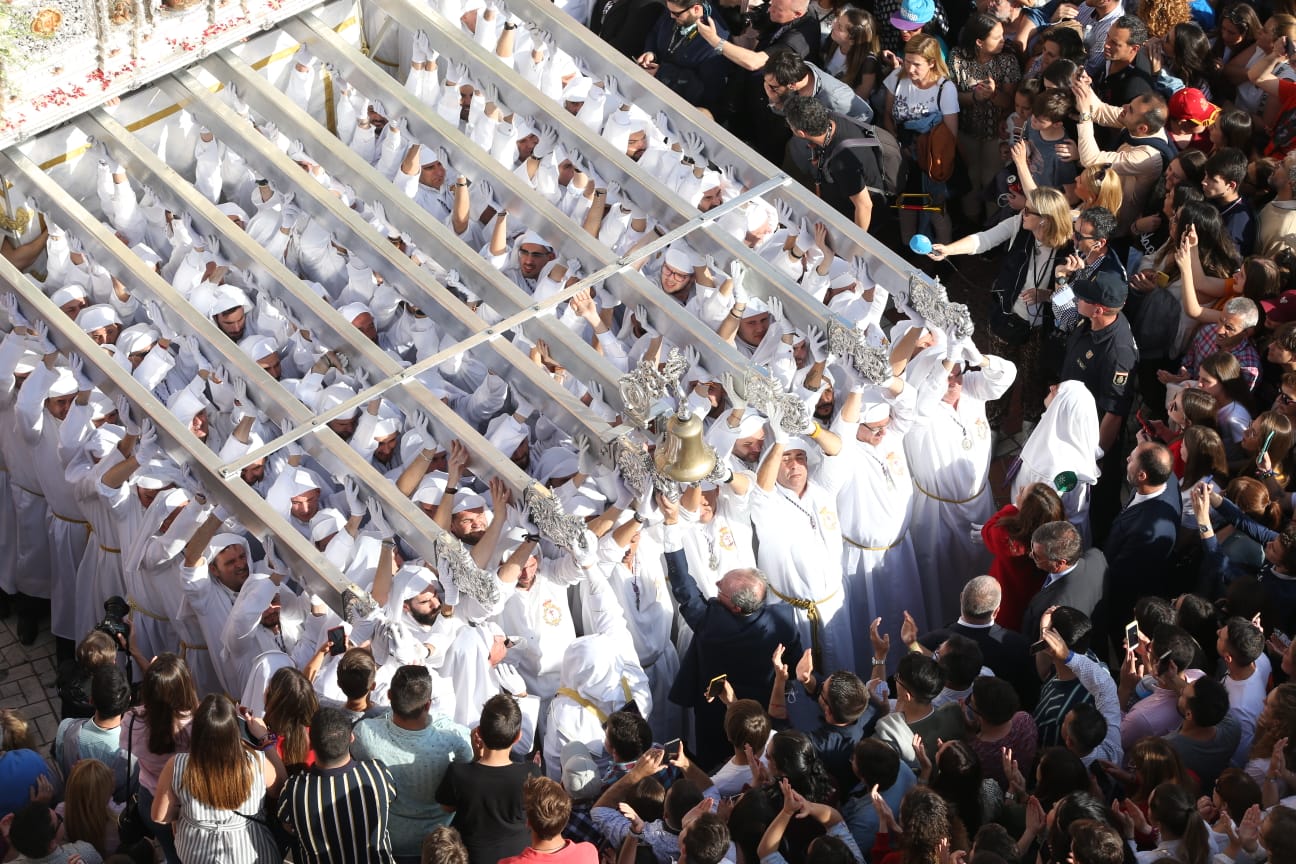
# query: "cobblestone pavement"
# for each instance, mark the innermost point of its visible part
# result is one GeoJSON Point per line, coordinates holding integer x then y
{"type": "Point", "coordinates": [27, 680]}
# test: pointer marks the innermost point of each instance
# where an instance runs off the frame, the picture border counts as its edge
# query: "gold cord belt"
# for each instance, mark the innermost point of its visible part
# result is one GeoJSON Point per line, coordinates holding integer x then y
{"type": "Point", "coordinates": [975, 495]}
{"type": "Point", "coordinates": [811, 608]}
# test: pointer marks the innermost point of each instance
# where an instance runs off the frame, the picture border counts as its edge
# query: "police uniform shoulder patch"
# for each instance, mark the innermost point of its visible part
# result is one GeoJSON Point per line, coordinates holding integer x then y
{"type": "Point", "coordinates": [1119, 379]}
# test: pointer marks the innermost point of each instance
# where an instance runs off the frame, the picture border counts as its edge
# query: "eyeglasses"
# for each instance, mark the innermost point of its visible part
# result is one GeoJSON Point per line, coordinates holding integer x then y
{"type": "Point", "coordinates": [1080, 236]}
{"type": "Point", "coordinates": [676, 13]}
{"type": "Point", "coordinates": [1026, 211]}
{"type": "Point", "coordinates": [875, 430]}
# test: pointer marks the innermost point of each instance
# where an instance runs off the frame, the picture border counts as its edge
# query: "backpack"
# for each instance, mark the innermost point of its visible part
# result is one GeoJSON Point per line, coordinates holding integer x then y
{"type": "Point", "coordinates": [887, 158]}
{"type": "Point", "coordinates": [937, 149]}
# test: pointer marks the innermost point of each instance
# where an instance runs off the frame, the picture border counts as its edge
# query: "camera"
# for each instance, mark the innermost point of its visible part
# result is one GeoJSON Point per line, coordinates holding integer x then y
{"type": "Point", "coordinates": [114, 622]}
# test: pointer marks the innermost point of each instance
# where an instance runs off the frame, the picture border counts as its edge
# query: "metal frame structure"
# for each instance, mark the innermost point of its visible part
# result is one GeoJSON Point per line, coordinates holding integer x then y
{"type": "Point", "coordinates": [193, 90]}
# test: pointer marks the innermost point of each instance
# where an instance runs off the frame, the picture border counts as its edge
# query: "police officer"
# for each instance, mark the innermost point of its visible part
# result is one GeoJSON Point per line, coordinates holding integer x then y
{"type": "Point", "coordinates": [1102, 353]}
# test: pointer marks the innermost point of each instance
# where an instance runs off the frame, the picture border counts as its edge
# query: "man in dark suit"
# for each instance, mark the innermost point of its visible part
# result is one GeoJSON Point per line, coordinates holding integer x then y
{"type": "Point", "coordinates": [734, 634]}
{"type": "Point", "coordinates": [1073, 577]}
{"type": "Point", "coordinates": [1003, 651]}
{"type": "Point", "coordinates": [1143, 535]}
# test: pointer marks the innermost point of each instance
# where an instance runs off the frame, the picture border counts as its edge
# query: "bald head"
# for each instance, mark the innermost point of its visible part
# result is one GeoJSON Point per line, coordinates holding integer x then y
{"type": "Point", "coordinates": [742, 591]}
{"type": "Point", "coordinates": [980, 599]}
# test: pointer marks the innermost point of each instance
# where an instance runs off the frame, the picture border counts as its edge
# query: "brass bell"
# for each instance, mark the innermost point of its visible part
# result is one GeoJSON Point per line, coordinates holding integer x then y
{"type": "Point", "coordinates": [681, 453]}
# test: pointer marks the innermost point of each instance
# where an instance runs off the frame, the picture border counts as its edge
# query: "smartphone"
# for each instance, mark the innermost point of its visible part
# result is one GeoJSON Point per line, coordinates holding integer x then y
{"type": "Point", "coordinates": [1038, 647]}
{"type": "Point", "coordinates": [716, 686]}
{"type": "Point", "coordinates": [337, 641]}
{"type": "Point", "coordinates": [672, 748]}
{"type": "Point", "coordinates": [1282, 637]}
{"type": "Point", "coordinates": [1132, 634]}
{"type": "Point", "coordinates": [1264, 448]}
{"type": "Point", "coordinates": [510, 641]}
{"type": "Point", "coordinates": [1138, 415]}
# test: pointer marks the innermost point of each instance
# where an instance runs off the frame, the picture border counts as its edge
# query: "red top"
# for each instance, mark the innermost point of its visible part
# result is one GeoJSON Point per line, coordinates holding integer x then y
{"type": "Point", "coordinates": [1176, 451]}
{"type": "Point", "coordinates": [572, 853]}
{"type": "Point", "coordinates": [1012, 568]}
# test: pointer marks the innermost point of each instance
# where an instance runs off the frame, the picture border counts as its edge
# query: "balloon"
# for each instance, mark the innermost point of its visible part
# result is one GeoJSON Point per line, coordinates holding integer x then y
{"type": "Point", "coordinates": [920, 244]}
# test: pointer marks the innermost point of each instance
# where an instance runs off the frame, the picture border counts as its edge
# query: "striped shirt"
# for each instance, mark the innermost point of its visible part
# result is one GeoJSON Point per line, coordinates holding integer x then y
{"type": "Point", "coordinates": [339, 815]}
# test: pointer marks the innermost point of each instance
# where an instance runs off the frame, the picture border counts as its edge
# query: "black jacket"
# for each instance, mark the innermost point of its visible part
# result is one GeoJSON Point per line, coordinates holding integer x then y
{"type": "Point", "coordinates": [692, 69]}
{"type": "Point", "coordinates": [724, 643]}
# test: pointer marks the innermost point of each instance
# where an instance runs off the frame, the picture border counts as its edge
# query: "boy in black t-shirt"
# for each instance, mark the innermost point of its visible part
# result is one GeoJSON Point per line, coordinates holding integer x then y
{"type": "Point", "coordinates": [486, 794]}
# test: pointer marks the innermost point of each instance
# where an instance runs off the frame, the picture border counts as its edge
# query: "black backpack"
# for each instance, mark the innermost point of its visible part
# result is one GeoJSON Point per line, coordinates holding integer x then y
{"type": "Point", "coordinates": [887, 160]}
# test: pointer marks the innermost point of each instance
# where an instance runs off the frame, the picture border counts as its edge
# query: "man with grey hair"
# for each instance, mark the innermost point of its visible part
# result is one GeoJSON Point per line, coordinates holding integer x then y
{"type": "Point", "coordinates": [1072, 576]}
{"type": "Point", "coordinates": [732, 632]}
{"type": "Point", "coordinates": [1003, 651]}
{"type": "Point", "coordinates": [1231, 331]}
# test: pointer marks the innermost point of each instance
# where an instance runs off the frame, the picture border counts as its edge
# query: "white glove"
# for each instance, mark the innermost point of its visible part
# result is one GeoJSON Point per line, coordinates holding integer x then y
{"type": "Point", "coordinates": [738, 403]}
{"type": "Point", "coordinates": [146, 448]}
{"type": "Point", "coordinates": [974, 532]}
{"type": "Point", "coordinates": [641, 315]}
{"type": "Point", "coordinates": [9, 301]}
{"type": "Point", "coordinates": [776, 315]}
{"type": "Point", "coordinates": [41, 337]}
{"type": "Point", "coordinates": [77, 366]}
{"type": "Point", "coordinates": [775, 416]}
{"type": "Point", "coordinates": [692, 146]}
{"type": "Point", "coordinates": [586, 462]}
{"type": "Point", "coordinates": [351, 489]}
{"type": "Point", "coordinates": [377, 522]}
{"type": "Point", "coordinates": [126, 417]}
{"type": "Point", "coordinates": [548, 141]}
{"type": "Point", "coordinates": [817, 342]}
{"type": "Point", "coordinates": [787, 217]}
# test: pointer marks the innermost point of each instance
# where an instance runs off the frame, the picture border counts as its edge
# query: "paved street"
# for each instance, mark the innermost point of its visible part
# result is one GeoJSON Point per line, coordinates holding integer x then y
{"type": "Point", "coordinates": [27, 681]}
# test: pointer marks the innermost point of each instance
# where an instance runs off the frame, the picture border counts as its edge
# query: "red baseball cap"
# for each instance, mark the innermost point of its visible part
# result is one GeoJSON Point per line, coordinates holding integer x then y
{"type": "Point", "coordinates": [1192, 105]}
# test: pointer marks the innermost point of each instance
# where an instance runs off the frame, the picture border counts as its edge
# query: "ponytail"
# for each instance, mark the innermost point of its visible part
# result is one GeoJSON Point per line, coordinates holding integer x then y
{"type": "Point", "coordinates": [1196, 846]}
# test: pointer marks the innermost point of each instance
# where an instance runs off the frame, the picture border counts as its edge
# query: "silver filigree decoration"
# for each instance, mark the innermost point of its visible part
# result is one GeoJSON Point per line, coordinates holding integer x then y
{"type": "Point", "coordinates": [468, 577]}
{"type": "Point", "coordinates": [929, 300]}
{"type": "Point", "coordinates": [641, 388]}
{"type": "Point", "coordinates": [357, 605]}
{"type": "Point", "coordinates": [873, 362]}
{"type": "Point", "coordinates": [634, 463]}
{"type": "Point", "coordinates": [546, 512]}
{"type": "Point", "coordinates": [763, 391]}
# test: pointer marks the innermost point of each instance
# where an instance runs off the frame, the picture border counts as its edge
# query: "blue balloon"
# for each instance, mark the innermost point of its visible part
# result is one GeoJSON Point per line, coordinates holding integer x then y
{"type": "Point", "coordinates": [921, 244]}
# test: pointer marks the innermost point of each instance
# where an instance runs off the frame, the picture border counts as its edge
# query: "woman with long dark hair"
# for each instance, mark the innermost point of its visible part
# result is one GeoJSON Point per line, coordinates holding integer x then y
{"type": "Point", "coordinates": [986, 76]}
{"type": "Point", "coordinates": [215, 794]}
{"type": "Point", "coordinates": [1008, 537]}
{"type": "Point", "coordinates": [157, 729]}
{"type": "Point", "coordinates": [1239, 27]}
{"type": "Point", "coordinates": [290, 704]}
{"type": "Point", "coordinates": [853, 50]}
{"type": "Point", "coordinates": [1183, 59]}
{"type": "Point", "coordinates": [793, 755]}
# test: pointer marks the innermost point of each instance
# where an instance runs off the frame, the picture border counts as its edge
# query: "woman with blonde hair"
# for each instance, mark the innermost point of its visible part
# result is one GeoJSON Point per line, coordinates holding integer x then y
{"type": "Point", "coordinates": [1038, 238]}
{"type": "Point", "coordinates": [920, 95]}
{"type": "Point", "coordinates": [87, 809]}
{"type": "Point", "coordinates": [215, 794]}
{"type": "Point", "coordinates": [1098, 186]}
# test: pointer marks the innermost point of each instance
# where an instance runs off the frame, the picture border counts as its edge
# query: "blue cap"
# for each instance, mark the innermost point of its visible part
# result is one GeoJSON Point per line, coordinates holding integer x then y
{"type": "Point", "coordinates": [914, 14]}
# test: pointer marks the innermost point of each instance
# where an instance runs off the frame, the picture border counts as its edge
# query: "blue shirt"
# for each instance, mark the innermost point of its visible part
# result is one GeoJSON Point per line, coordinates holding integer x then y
{"type": "Point", "coordinates": [418, 760]}
{"type": "Point", "coordinates": [18, 772]}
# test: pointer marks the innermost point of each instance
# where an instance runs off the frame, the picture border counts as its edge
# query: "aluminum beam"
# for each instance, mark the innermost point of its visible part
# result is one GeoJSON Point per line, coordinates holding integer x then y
{"type": "Point", "coordinates": [413, 524]}
{"type": "Point", "coordinates": [309, 567]}
{"type": "Point", "coordinates": [659, 201]}
{"type": "Point", "coordinates": [523, 202]}
{"type": "Point", "coordinates": [886, 267]}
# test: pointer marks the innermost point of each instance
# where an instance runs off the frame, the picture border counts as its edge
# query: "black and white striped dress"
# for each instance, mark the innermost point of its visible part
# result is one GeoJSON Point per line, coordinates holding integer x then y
{"type": "Point", "coordinates": [207, 835]}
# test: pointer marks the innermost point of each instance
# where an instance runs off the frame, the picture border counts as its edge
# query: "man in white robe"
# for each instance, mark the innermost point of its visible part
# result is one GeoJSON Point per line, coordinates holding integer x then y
{"type": "Point", "coordinates": [43, 403]}
{"type": "Point", "coordinates": [794, 513]}
{"type": "Point", "coordinates": [949, 450]}
{"type": "Point", "coordinates": [876, 507]}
